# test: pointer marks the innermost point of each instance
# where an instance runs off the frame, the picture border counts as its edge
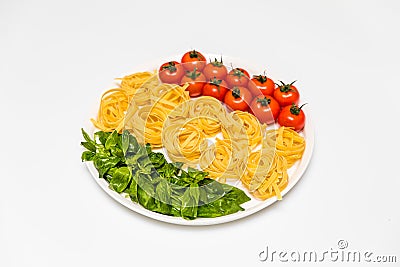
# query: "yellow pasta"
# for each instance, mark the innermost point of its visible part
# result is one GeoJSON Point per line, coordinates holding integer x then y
{"type": "Point", "coordinates": [131, 83]}
{"type": "Point", "coordinates": [254, 129]}
{"type": "Point", "coordinates": [266, 174]}
{"type": "Point", "coordinates": [288, 143]}
{"type": "Point", "coordinates": [217, 160]}
{"type": "Point", "coordinates": [147, 122]}
{"type": "Point", "coordinates": [190, 124]}
{"type": "Point", "coordinates": [209, 126]}
{"type": "Point", "coordinates": [190, 140]}
{"type": "Point", "coordinates": [114, 102]}
{"type": "Point", "coordinates": [112, 109]}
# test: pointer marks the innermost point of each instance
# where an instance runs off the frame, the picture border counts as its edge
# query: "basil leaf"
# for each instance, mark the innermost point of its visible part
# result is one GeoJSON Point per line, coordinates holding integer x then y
{"type": "Point", "coordinates": [89, 144]}
{"type": "Point", "coordinates": [133, 188]}
{"type": "Point", "coordinates": [218, 208]}
{"type": "Point", "coordinates": [87, 155]}
{"type": "Point", "coordinates": [157, 159]}
{"type": "Point", "coordinates": [86, 136]}
{"type": "Point", "coordinates": [112, 140]}
{"type": "Point", "coordinates": [145, 196]}
{"type": "Point", "coordinates": [163, 192]}
{"type": "Point", "coordinates": [163, 197]}
{"type": "Point", "coordinates": [168, 170]}
{"type": "Point", "coordinates": [211, 191]}
{"type": "Point", "coordinates": [177, 165]}
{"type": "Point", "coordinates": [102, 136]}
{"type": "Point", "coordinates": [148, 148]}
{"type": "Point", "coordinates": [235, 194]}
{"type": "Point", "coordinates": [120, 179]}
{"type": "Point", "coordinates": [129, 144]}
{"type": "Point", "coordinates": [116, 151]}
{"type": "Point", "coordinates": [104, 162]}
{"type": "Point", "coordinates": [190, 202]}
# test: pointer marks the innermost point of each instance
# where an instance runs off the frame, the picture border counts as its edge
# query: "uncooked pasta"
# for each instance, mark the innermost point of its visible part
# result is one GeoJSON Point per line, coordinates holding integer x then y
{"type": "Point", "coordinates": [288, 143]}
{"type": "Point", "coordinates": [114, 102]}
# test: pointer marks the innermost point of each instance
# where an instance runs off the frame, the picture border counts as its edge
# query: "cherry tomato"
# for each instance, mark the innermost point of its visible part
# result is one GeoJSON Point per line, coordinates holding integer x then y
{"type": "Point", "coordinates": [261, 84]}
{"type": "Point", "coordinates": [292, 116]}
{"type": "Point", "coordinates": [286, 94]}
{"type": "Point", "coordinates": [265, 108]}
{"type": "Point", "coordinates": [238, 98]}
{"type": "Point", "coordinates": [196, 81]}
{"type": "Point", "coordinates": [171, 72]}
{"type": "Point", "coordinates": [216, 88]}
{"type": "Point", "coordinates": [237, 77]}
{"type": "Point", "coordinates": [215, 69]}
{"type": "Point", "coordinates": [193, 59]}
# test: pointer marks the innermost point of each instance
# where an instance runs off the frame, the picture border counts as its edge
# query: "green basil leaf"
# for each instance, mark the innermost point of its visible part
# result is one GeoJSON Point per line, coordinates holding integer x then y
{"type": "Point", "coordinates": [157, 159]}
{"type": "Point", "coordinates": [102, 136]}
{"type": "Point", "coordinates": [217, 208]}
{"type": "Point", "coordinates": [104, 162]}
{"type": "Point", "coordinates": [163, 197]}
{"type": "Point", "coordinates": [190, 202]}
{"type": "Point", "coordinates": [86, 136]}
{"type": "Point", "coordinates": [116, 151]}
{"type": "Point", "coordinates": [89, 146]}
{"type": "Point", "coordinates": [148, 148]}
{"type": "Point", "coordinates": [177, 165]}
{"type": "Point", "coordinates": [133, 188]}
{"type": "Point", "coordinates": [129, 144]}
{"type": "Point", "coordinates": [235, 194]}
{"type": "Point", "coordinates": [120, 179]}
{"type": "Point", "coordinates": [87, 155]}
{"type": "Point", "coordinates": [163, 191]}
{"type": "Point", "coordinates": [145, 196]}
{"type": "Point", "coordinates": [112, 140]}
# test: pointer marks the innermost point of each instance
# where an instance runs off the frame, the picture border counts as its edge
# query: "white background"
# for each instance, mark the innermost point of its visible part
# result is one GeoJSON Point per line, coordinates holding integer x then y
{"type": "Point", "coordinates": [57, 57]}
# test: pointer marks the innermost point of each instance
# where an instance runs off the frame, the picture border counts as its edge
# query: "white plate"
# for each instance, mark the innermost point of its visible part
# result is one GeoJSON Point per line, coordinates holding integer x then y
{"type": "Point", "coordinates": [252, 206]}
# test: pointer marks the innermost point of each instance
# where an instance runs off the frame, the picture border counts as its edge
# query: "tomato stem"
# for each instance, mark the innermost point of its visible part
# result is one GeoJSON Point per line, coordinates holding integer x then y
{"type": "Point", "coordinates": [295, 110]}
{"type": "Point", "coordinates": [236, 92]}
{"type": "Point", "coordinates": [302, 105]}
{"type": "Point", "coordinates": [238, 72]}
{"type": "Point", "coordinates": [171, 67]}
{"type": "Point", "coordinates": [217, 63]}
{"type": "Point", "coordinates": [193, 74]}
{"type": "Point", "coordinates": [284, 88]}
{"type": "Point", "coordinates": [264, 101]}
{"type": "Point", "coordinates": [193, 54]}
{"type": "Point", "coordinates": [215, 81]}
{"type": "Point", "coordinates": [260, 78]}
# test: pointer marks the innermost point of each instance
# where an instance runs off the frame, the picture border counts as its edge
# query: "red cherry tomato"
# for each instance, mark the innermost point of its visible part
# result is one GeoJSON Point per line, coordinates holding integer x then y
{"type": "Point", "coordinates": [238, 98]}
{"type": "Point", "coordinates": [196, 81]}
{"type": "Point", "coordinates": [216, 88]}
{"type": "Point", "coordinates": [265, 108]}
{"type": "Point", "coordinates": [171, 72]}
{"type": "Point", "coordinates": [237, 77]}
{"type": "Point", "coordinates": [215, 69]}
{"type": "Point", "coordinates": [286, 94]}
{"type": "Point", "coordinates": [193, 59]}
{"type": "Point", "coordinates": [261, 84]}
{"type": "Point", "coordinates": [292, 116]}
